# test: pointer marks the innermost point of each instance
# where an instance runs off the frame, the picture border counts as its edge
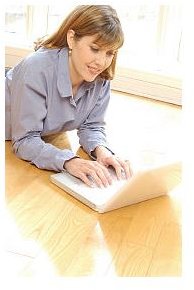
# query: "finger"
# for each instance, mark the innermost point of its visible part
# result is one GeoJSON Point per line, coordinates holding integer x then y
{"type": "Point", "coordinates": [101, 176]}
{"type": "Point", "coordinates": [122, 168]}
{"type": "Point", "coordinates": [126, 168]}
{"type": "Point", "coordinates": [114, 162]}
{"type": "Point", "coordinates": [103, 173]}
{"type": "Point", "coordinates": [105, 176]}
{"type": "Point", "coordinates": [93, 176]}
{"type": "Point", "coordinates": [118, 168]}
{"type": "Point", "coordinates": [87, 180]}
{"type": "Point", "coordinates": [129, 168]}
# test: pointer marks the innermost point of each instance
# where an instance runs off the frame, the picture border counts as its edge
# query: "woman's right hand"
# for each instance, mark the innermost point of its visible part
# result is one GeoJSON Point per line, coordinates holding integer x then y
{"type": "Point", "coordinates": [90, 172]}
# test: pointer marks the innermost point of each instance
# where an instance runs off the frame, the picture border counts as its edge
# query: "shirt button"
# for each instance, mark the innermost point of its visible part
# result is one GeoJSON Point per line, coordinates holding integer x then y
{"type": "Point", "coordinates": [72, 102]}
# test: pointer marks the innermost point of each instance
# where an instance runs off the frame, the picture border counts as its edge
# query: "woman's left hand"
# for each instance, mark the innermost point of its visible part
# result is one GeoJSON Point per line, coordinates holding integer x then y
{"type": "Point", "coordinates": [106, 158]}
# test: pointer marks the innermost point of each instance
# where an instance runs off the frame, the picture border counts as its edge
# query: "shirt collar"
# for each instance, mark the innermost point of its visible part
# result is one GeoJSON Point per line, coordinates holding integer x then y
{"type": "Point", "coordinates": [63, 77]}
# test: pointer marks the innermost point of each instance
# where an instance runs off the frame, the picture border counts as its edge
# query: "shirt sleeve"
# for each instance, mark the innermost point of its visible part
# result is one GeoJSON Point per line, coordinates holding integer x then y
{"type": "Point", "coordinates": [28, 111]}
{"type": "Point", "coordinates": [92, 132]}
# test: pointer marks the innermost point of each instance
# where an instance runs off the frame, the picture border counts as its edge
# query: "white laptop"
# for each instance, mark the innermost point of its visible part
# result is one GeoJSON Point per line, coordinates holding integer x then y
{"type": "Point", "coordinates": [143, 185]}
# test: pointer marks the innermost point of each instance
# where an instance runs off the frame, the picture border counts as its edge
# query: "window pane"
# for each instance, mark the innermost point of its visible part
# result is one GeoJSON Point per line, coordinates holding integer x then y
{"type": "Point", "coordinates": [152, 37]}
{"type": "Point", "coordinates": [56, 14]}
{"type": "Point", "coordinates": [140, 27]}
{"type": "Point", "coordinates": [15, 23]}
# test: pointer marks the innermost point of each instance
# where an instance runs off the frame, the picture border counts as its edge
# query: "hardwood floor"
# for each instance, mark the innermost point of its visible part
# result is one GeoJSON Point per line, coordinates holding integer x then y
{"type": "Point", "coordinates": [49, 233]}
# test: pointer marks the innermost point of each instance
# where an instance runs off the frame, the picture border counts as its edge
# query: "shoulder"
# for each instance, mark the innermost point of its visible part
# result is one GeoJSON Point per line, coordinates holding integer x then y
{"type": "Point", "coordinates": [43, 57]}
{"type": "Point", "coordinates": [38, 61]}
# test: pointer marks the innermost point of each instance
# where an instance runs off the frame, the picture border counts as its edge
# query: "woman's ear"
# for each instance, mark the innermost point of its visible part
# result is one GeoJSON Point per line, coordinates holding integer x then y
{"type": "Point", "coordinates": [70, 38]}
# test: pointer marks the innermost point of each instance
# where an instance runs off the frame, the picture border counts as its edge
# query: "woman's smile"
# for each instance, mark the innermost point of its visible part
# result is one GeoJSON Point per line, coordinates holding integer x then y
{"type": "Point", "coordinates": [93, 70]}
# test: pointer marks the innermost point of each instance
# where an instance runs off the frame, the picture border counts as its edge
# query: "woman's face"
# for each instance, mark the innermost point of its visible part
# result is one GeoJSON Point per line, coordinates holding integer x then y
{"type": "Point", "coordinates": [87, 59]}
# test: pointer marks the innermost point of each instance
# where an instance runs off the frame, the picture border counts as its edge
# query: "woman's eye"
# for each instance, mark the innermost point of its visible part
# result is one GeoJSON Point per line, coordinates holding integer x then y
{"type": "Point", "coordinates": [94, 49]}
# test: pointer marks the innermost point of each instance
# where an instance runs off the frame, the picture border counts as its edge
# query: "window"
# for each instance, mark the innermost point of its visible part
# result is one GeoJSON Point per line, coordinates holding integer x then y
{"type": "Point", "coordinates": [152, 37]}
{"type": "Point", "coordinates": [15, 24]}
{"type": "Point", "coordinates": [150, 60]}
{"type": "Point", "coordinates": [149, 63]}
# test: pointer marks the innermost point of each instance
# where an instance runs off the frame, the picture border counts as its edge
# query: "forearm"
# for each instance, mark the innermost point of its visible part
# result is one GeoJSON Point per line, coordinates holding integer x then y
{"type": "Point", "coordinates": [41, 154]}
{"type": "Point", "coordinates": [90, 138]}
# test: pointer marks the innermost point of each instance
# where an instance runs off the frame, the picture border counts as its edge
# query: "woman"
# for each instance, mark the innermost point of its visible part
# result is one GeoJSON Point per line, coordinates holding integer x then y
{"type": "Point", "coordinates": [65, 85]}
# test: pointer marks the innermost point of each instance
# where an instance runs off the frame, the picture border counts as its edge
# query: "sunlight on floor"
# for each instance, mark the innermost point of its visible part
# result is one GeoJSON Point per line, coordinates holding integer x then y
{"type": "Point", "coordinates": [23, 256]}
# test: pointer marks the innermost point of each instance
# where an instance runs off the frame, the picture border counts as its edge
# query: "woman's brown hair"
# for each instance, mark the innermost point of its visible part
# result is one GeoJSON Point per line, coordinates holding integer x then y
{"type": "Point", "coordinates": [87, 20]}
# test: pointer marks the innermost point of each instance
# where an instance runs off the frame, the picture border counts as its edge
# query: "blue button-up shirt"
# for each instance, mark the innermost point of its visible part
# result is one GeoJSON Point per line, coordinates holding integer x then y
{"type": "Point", "coordinates": [39, 102]}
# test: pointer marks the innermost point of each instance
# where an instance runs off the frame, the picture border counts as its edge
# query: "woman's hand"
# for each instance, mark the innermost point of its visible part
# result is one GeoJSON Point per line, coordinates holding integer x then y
{"type": "Point", "coordinates": [106, 158]}
{"type": "Point", "coordinates": [90, 172]}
